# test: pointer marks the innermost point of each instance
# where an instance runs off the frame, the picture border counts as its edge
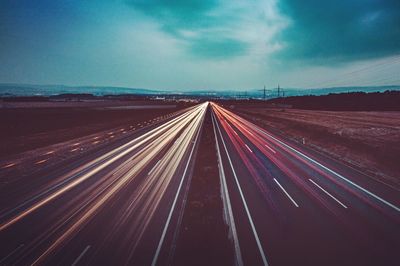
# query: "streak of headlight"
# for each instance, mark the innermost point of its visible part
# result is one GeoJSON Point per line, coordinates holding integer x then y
{"type": "Point", "coordinates": [152, 190]}
{"type": "Point", "coordinates": [114, 154]}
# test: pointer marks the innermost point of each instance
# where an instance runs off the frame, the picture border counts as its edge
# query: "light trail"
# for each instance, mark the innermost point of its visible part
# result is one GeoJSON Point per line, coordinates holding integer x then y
{"type": "Point", "coordinates": [253, 228]}
{"type": "Point", "coordinates": [128, 162]}
{"type": "Point", "coordinates": [107, 159]}
{"type": "Point", "coordinates": [228, 211]}
{"type": "Point", "coordinates": [260, 138]}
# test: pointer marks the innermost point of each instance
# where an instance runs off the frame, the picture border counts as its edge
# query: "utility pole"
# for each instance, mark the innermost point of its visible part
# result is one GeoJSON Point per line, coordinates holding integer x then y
{"type": "Point", "coordinates": [264, 92]}
{"type": "Point", "coordinates": [279, 91]}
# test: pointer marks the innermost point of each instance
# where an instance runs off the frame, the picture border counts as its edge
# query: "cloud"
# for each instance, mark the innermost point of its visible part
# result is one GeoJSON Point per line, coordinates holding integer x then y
{"type": "Point", "coordinates": [217, 30]}
{"type": "Point", "coordinates": [326, 32]}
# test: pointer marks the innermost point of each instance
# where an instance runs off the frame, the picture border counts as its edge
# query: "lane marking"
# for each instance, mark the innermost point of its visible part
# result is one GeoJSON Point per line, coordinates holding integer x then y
{"type": "Point", "coordinates": [8, 165]}
{"type": "Point", "coordinates": [11, 253]}
{"type": "Point", "coordinates": [344, 206]}
{"type": "Point", "coordinates": [75, 144]}
{"type": "Point", "coordinates": [49, 152]}
{"type": "Point", "coordinates": [287, 194]}
{"type": "Point", "coordinates": [153, 263]}
{"type": "Point", "coordinates": [238, 254]}
{"type": "Point", "coordinates": [333, 172]}
{"type": "Point", "coordinates": [74, 149]}
{"type": "Point", "coordinates": [244, 202]}
{"type": "Point", "coordinates": [41, 161]}
{"type": "Point", "coordinates": [270, 148]}
{"type": "Point", "coordinates": [95, 142]}
{"type": "Point", "coordinates": [80, 256]}
{"type": "Point", "coordinates": [154, 167]}
{"type": "Point", "coordinates": [248, 148]}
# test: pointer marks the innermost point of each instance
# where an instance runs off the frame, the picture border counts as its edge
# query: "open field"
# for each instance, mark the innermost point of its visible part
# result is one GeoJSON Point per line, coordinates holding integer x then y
{"type": "Point", "coordinates": [29, 125]}
{"type": "Point", "coordinates": [368, 140]}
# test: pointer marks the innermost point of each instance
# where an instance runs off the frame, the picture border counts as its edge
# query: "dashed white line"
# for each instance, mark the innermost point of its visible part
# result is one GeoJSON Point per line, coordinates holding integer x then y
{"type": "Point", "coordinates": [268, 147]}
{"type": "Point", "coordinates": [287, 194]}
{"type": "Point", "coordinates": [8, 165]}
{"type": "Point", "coordinates": [333, 172]}
{"type": "Point", "coordinates": [248, 148]}
{"type": "Point", "coordinates": [154, 167]}
{"type": "Point", "coordinates": [80, 256]}
{"type": "Point", "coordinates": [327, 193]}
{"type": "Point", "coordinates": [41, 161]}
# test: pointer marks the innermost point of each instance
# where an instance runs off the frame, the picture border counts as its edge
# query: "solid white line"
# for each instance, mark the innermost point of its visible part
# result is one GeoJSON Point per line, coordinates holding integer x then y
{"type": "Point", "coordinates": [248, 148]}
{"type": "Point", "coordinates": [244, 202]}
{"type": "Point", "coordinates": [153, 263]}
{"type": "Point", "coordinates": [224, 187]}
{"type": "Point", "coordinates": [333, 172]}
{"type": "Point", "coordinates": [344, 206]}
{"type": "Point", "coordinates": [80, 256]}
{"type": "Point", "coordinates": [287, 194]}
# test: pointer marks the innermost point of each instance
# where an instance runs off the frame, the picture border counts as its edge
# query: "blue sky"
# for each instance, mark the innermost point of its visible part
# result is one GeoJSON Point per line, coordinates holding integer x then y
{"type": "Point", "coordinates": [200, 44]}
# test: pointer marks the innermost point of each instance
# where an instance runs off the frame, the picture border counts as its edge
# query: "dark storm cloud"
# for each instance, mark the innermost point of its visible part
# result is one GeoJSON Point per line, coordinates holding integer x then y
{"type": "Point", "coordinates": [340, 30]}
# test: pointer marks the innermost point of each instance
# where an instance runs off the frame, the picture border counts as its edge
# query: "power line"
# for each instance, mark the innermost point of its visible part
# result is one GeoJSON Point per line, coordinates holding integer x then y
{"type": "Point", "coordinates": [347, 77]}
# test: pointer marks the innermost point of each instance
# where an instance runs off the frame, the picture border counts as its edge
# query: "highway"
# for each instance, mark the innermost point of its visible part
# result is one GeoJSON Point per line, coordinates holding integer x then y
{"type": "Point", "coordinates": [114, 207]}
{"type": "Point", "coordinates": [122, 204]}
{"type": "Point", "coordinates": [287, 205]}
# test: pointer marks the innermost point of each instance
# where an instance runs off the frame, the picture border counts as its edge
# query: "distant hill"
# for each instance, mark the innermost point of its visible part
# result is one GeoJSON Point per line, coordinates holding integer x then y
{"type": "Point", "coordinates": [273, 92]}
{"type": "Point", "coordinates": [8, 90]}
{"type": "Point", "coordinates": [354, 101]}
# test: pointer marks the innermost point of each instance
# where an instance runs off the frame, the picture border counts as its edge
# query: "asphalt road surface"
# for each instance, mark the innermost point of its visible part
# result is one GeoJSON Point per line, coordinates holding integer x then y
{"type": "Point", "coordinates": [284, 203]}
{"type": "Point", "coordinates": [289, 206]}
{"type": "Point", "coordinates": [117, 208]}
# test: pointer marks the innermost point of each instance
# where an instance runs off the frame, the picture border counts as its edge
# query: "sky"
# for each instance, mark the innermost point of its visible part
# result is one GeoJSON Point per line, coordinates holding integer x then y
{"type": "Point", "coordinates": [200, 44]}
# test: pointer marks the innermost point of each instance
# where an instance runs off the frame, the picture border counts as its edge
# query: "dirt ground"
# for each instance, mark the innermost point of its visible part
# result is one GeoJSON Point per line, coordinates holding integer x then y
{"type": "Point", "coordinates": [27, 128]}
{"type": "Point", "coordinates": [368, 140]}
